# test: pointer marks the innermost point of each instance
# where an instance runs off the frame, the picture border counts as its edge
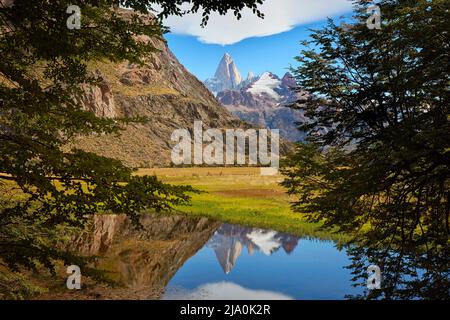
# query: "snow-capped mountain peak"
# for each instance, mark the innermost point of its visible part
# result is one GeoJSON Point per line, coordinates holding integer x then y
{"type": "Point", "coordinates": [250, 76]}
{"type": "Point", "coordinates": [228, 73]}
{"type": "Point", "coordinates": [227, 76]}
{"type": "Point", "coordinates": [266, 83]}
{"type": "Point", "coordinates": [261, 100]}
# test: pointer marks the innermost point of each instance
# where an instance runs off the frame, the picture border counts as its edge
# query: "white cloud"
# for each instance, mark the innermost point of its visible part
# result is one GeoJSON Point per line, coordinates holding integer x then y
{"type": "Point", "coordinates": [280, 16]}
{"type": "Point", "coordinates": [224, 291]}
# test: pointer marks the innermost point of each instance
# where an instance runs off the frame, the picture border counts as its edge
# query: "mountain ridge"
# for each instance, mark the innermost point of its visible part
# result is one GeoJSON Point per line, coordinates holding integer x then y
{"type": "Point", "coordinates": [164, 92]}
{"type": "Point", "coordinates": [262, 101]}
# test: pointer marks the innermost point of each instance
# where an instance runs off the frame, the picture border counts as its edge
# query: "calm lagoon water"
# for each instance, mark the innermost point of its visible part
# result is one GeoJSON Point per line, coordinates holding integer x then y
{"type": "Point", "coordinates": [248, 263]}
{"type": "Point", "coordinates": [175, 257]}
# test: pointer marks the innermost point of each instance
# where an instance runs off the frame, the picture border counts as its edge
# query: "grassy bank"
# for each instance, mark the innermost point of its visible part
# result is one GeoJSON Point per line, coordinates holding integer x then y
{"type": "Point", "coordinates": [241, 196]}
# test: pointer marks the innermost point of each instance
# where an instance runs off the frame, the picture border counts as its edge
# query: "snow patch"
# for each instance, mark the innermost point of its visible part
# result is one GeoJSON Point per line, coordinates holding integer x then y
{"type": "Point", "coordinates": [265, 240]}
{"type": "Point", "coordinates": [266, 84]}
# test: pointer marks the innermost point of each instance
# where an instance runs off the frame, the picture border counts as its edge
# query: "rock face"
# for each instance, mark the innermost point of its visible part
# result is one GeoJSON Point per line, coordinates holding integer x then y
{"type": "Point", "coordinates": [99, 100]}
{"type": "Point", "coordinates": [227, 76]}
{"type": "Point", "coordinates": [260, 100]}
{"type": "Point", "coordinates": [6, 3]}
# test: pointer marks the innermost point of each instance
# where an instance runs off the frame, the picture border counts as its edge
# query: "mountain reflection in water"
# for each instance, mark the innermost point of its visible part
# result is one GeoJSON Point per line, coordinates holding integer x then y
{"type": "Point", "coordinates": [229, 240]}
{"type": "Point", "coordinates": [143, 261]}
{"type": "Point", "coordinates": [262, 264]}
{"type": "Point", "coordinates": [176, 257]}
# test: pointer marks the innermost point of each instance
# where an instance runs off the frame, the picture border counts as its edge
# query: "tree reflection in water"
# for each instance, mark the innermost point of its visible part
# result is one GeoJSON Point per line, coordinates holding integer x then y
{"type": "Point", "coordinates": [408, 270]}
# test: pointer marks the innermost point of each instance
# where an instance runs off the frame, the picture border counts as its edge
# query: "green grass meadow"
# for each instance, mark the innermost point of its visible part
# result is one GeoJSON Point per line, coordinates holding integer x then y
{"type": "Point", "coordinates": [241, 196]}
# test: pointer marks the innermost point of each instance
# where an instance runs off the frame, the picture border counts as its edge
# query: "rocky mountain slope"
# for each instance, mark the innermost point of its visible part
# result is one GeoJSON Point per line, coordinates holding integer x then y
{"type": "Point", "coordinates": [165, 92]}
{"type": "Point", "coordinates": [262, 100]}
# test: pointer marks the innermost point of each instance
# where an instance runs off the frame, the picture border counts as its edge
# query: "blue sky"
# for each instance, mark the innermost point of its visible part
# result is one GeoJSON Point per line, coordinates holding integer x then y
{"type": "Point", "coordinates": [271, 53]}
{"type": "Point", "coordinates": [256, 45]}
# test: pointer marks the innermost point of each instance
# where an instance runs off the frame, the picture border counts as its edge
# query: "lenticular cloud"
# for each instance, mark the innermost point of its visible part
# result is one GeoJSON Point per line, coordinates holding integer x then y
{"type": "Point", "coordinates": [280, 16]}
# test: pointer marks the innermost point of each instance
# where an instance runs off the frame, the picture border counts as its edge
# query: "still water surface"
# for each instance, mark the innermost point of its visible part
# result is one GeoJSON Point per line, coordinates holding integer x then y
{"type": "Point", "coordinates": [249, 263]}
{"type": "Point", "coordinates": [176, 257]}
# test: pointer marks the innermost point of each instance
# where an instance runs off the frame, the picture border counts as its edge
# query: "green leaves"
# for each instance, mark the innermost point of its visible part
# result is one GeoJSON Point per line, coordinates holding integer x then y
{"type": "Point", "coordinates": [377, 165]}
{"type": "Point", "coordinates": [42, 75]}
